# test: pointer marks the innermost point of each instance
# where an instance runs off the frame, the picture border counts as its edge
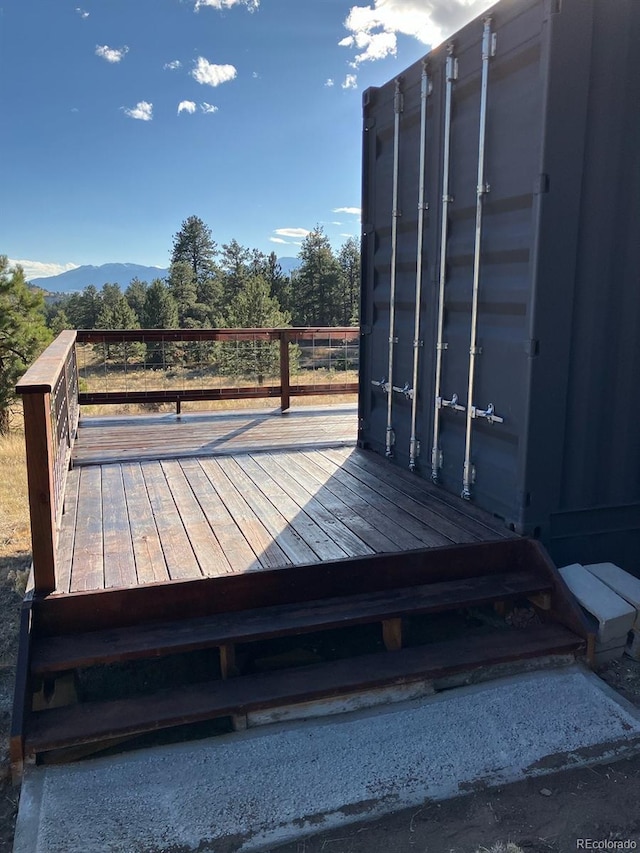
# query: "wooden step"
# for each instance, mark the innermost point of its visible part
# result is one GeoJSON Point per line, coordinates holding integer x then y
{"type": "Point", "coordinates": [101, 721]}
{"type": "Point", "coordinates": [55, 654]}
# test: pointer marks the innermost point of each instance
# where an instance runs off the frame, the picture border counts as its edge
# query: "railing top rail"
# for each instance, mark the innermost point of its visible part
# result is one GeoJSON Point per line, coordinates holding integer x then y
{"type": "Point", "coordinates": [45, 371]}
{"type": "Point", "coordinates": [85, 336]}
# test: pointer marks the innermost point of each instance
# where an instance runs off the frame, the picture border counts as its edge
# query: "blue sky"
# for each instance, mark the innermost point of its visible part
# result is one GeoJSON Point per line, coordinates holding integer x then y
{"type": "Point", "coordinates": [123, 117]}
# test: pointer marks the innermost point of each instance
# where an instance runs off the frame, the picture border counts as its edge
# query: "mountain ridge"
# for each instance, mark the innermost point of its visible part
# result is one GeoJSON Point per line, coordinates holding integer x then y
{"type": "Point", "coordinates": [77, 279]}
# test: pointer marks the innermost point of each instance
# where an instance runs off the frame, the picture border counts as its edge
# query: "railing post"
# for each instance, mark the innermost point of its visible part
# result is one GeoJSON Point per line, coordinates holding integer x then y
{"type": "Point", "coordinates": [40, 477]}
{"type": "Point", "coordinates": [285, 399]}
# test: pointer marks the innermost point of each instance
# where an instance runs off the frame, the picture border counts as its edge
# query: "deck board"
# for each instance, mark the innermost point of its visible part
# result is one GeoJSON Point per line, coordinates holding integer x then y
{"type": "Point", "coordinates": [308, 475]}
{"type": "Point", "coordinates": [154, 499]}
{"type": "Point", "coordinates": [178, 553]}
{"type": "Point", "coordinates": [151, 565]}
{"type": "Point", "coordinates": [266, 549]}
{"type": "Point", "coordinates": [119, 562]}
{"type": "Point", "coordinates": [87, 570]}
{"type": "Point", "coordinates": [273, 514]}
{"type": "Point", "coordinates": [208, 551]}
{"type": "Point", "coordinates": [197, 434]}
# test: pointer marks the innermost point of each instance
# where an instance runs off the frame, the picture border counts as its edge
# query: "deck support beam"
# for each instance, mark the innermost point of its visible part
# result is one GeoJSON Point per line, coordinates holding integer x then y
{"type": "Point", "coordinates": [40, 477]}
{"type": "Point", "coordinates": [285, 395]}
{"type": "Point", "coordinates": [392, 634]}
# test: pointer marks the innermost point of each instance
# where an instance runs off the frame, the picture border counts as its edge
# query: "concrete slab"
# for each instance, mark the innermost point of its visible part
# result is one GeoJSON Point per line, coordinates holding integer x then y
{"type": "Point", "coordinates": [615, 617]}
{"type": "Point", "coordinates": [252, 790]}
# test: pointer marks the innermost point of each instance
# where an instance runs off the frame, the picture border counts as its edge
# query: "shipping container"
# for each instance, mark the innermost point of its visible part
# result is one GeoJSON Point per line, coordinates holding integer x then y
{"type": "Point", "coordinates": [501, 196]}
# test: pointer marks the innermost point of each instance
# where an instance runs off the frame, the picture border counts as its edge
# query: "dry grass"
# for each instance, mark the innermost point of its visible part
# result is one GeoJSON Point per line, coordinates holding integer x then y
{"type": "Point", "coordinates": [15, 559]}
{"type": "Point", "coordinates": [14, 512]}
{"type": "Point", "coordinates": [266, 403]}
{"type": "Point", "coordinates": [15, 539]}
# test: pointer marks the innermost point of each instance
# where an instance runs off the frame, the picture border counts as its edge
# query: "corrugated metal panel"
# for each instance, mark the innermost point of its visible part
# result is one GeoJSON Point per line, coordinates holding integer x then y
{"type": "Point", "coordinates": [558, 275]}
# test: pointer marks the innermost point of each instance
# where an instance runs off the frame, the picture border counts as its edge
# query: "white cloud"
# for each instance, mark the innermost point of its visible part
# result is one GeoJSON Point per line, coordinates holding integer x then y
{"type": "Point", "coordinates": [143, 111]}
{"type": "Point", "coordinates": [347, 235]}
{"type": "Point", "coordinates": [173, 65]}
{"type": "Point", "coordinates": [279, 240]}
{"type": "Point", "coordinates": [251, 5]}
{"type": "Point", "coordinates": [336, 223]}
{"type": "Point", "coordinates": [83, 14]}
{"type": "Point", "coordinates": [111, 54]}
{"type": "Point", "coordinates": [255, 75]}
{"type": "Point", "coordinates": [212, 75]}
{"type": "Point", "coordinates": [354, 210]}
{"type": "Point", "coordinates": [373, 29]}
{"type": "Point", "coordinates": [291, 232]}
{"type": "Point", "coordinates": [186, 107]}
{"type": "Point", "coordinates": [40, 269]}
{"type": "Point", "coordinates": [329, 83]}
{"type": "Point", "coordinates": [350, 82]}
{"type": "Point", "coordinates": [208, 108]}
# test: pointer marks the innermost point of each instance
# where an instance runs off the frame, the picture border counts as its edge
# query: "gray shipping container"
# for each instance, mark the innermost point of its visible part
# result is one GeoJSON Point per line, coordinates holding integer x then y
{"type": "Point", "coordinates": [501, 194]}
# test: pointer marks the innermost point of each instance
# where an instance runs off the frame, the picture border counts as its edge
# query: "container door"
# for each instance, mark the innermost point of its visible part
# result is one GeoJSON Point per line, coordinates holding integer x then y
{"type": "Point", "coordinates": [496, 130]}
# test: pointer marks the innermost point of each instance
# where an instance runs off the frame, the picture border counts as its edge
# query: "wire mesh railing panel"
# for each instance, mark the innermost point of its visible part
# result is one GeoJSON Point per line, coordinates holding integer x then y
{"type": "Point", "coordinates": [171, 366]}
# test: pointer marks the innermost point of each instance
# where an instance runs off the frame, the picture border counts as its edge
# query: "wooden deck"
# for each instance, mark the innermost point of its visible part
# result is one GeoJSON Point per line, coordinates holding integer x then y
{"type": "Point", "coordinates": [119, 439]}
{"type": "Point", "coordinates": [211, 495]}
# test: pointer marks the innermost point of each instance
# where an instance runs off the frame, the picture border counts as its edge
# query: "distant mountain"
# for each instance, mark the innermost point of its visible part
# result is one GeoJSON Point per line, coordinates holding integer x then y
{"type": "Point", "coordinates": [81, 277]}
{"type": "Point", "coordinates": [288, 265]}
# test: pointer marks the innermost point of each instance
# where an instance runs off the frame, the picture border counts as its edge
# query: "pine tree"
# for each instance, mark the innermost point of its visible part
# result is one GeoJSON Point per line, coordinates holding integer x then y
{"type": "Point", "coordinates": [316, 288]}
{"type": "Point", "coordinates": [160, 309]}
{"type": "Point", "coordinates": [253, 307]}
{"type": "Point", "coordinates": [193, 244]}
{"type": "Point", "coordinates": [183, 287]}
{"type": "Point", "coordinates": [160, 312]}
{"type": "Point", "coordinates": [235, 265]}
{"type": "Point", "coordinates": [23, 333]}
{"type": "Point", "coordinates": [349, 260]}
{"type": "Point", "coordinates": [136, 294]}
{"type": "Point", "coordinates": [279, 283]}
{"type": "Point", "coordinates": [116, 313]}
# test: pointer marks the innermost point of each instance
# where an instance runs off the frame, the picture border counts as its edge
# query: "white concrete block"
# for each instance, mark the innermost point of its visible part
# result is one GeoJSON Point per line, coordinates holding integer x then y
{"type": "Point", "coordinates": [626, 585]}
{"type": "Point", "coordinates": [615, 616]}
{"type": "Point", "coordinates": [633, 648]}
{"type": "Point", "coordinates": [612, 644]}
{"type": "Point", "coordinates": [604, 657]}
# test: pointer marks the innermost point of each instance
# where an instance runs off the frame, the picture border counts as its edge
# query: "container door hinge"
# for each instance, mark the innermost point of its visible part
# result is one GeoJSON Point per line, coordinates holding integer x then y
{"type": "Point", "coordinates": [436, 459]}
{"type": "Point", "coordinates": [450, 404]}
{"type": "Point", "coordinates": [489, 413]}
{"type": "Point", "coordinates": [382, 384]}
{"type": "Point", "coordinates": [532, 347]}
{"type": "Point", "coordinates": [405, 390]}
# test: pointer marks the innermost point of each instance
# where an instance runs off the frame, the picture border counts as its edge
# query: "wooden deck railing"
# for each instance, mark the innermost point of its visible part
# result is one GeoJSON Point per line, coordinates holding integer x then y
{"type": "Point", "coordinates": [49, 392]}
{"type": "Point", "coordinates": [177, 353]}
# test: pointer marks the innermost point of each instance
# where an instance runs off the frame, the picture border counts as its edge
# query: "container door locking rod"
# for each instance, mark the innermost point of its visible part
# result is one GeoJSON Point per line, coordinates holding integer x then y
{"type": "Point", "coordinates": [451, 73]}
{"type": "Point", "coordinates": [488, 50]}
{"type": "Point", "coordinates": [417, 343]}
{"type": "Point", "coordinates": [395, 213]}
